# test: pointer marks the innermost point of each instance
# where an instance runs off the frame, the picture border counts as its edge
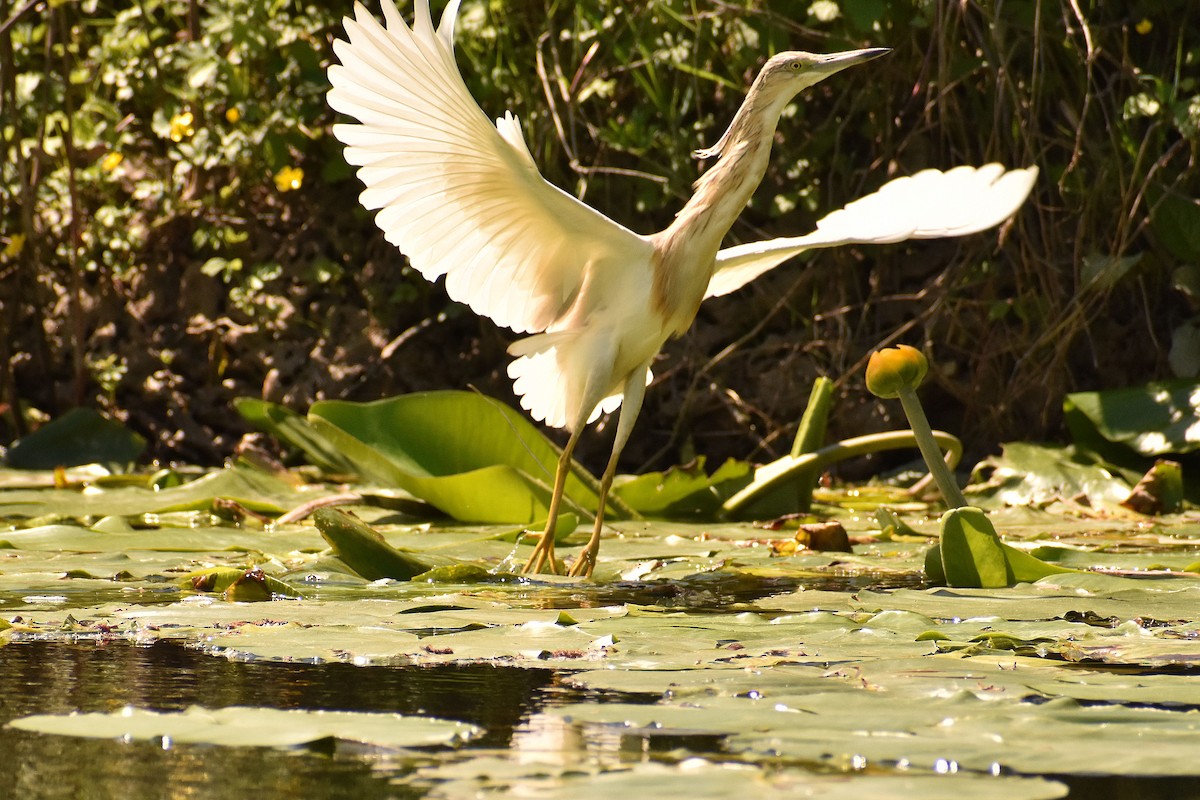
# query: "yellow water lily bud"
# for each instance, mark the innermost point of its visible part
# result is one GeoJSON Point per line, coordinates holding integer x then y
{"type": "Point", "coordinates": [895, 368]}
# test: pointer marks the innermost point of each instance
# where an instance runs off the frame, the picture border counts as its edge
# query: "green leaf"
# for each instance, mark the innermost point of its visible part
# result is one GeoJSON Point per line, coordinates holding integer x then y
{"type": "Point", "coordinates": [1175, 220]}
{"type": "Point", "coordinates": [865, 15]}
{"type": "Point", "coordinates": [1184, 355]}
{"type": "Point", "coordinates": [363, 549]}
{"type": "Point", "coordinates": [295, 431]}
{"type": "Point", "coordinates": [80, 436]}
{"type": "Point", "coordinates": [685, 491]}
{"type": "Point", "coordinates": [240, 726]}
{"type": "Point", "coordinates": [1026, 473]}
{"type": "Point", "coordinates": [772, 491]}
{"type": "Point", "coordinates": [1027, 568]}
{"type": "Point", "coordinates": [1103, 272]}
{"type": "Point", "coordinates": [1150, 420]}
{"type": "Point", "coordinates": [471, 457]}
{"type": "Point", "coordinates": [972, 555]}
{"type": "Point", "coordinates": [250, 488]}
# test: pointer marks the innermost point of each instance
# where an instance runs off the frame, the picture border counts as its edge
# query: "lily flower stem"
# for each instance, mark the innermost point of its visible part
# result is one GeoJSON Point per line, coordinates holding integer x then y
{"type": "Point", "coordinates": [930, 451]}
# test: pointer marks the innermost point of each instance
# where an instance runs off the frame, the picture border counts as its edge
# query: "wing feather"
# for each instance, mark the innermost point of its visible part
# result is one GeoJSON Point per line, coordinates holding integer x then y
{"type": "Point", "coordinates": [930, 204]}
{"type": "Point", "coordinates": [459, 195]}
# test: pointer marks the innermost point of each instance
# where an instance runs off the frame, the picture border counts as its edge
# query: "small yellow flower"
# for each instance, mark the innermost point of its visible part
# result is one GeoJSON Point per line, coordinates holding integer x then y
{"type": "Point", "coordinates": [1144, 27]}
{"type": "Point", "coordinates": [289, 178]}
{"type": "Point", "coordinates": [232, 115]}
{"type": "Point", "coordinates": [16, 243]}
{"type": "Point", "coordinates": [181, 126]}
{"type": "Point", "coordinates": [111, 161]}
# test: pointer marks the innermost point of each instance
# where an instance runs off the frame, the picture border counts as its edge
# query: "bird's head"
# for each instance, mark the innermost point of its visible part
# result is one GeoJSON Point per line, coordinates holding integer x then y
{"type": "Point", "coordinates": [795, 70]}
{"type": "Point", "coordinates": [783, 76]}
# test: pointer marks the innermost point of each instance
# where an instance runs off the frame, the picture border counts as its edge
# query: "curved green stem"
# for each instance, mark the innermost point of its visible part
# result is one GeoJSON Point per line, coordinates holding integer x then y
{"type": "Point", "coordinates": [770, 476]}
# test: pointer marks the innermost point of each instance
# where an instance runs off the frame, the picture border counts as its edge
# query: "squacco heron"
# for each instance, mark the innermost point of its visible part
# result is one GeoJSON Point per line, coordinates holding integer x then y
{"type": "Point", "coordinates": [462, 197]}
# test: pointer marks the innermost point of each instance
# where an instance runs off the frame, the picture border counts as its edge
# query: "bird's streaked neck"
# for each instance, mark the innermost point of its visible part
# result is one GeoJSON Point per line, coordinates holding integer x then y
{"type": "Point", "coordinates": [688, 247]}
{"type": "Point", "coordinates": [743, 153]}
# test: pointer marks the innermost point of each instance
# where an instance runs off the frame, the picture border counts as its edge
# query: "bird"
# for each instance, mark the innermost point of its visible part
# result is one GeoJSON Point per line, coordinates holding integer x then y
{"type": "Point", "coordinates": [462, 197]}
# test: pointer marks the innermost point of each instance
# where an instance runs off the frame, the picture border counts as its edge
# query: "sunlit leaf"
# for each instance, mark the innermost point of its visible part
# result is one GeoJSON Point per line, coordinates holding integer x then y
{"type": "Point", "coordinates": [240, 726]}
{"type": "Point", "coordinates": [1150, 420]}
{"type": "Point", "coordinates": [682, 492]}
{"type": "Point", "coordinates": [1027, 474]}
{"type": "Point", "coordinates": [468, 455]}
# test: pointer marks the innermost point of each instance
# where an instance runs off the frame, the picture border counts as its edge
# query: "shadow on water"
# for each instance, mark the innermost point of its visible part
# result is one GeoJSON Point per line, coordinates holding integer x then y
{"type": "Point", "coordinates": [716, 592]}
{"type": "Point", "coordinates": [61, 677]}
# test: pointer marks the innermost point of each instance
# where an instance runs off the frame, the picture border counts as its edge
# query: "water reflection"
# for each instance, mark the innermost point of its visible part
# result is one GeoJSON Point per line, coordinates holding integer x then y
{"type": "Point", "coordinates": [512, 705]}
{"type": "Point", "coordinates": [60, 678]}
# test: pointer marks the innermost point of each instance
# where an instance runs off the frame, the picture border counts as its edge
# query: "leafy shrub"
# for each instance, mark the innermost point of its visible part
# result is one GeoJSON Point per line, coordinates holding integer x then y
{"type": "Point", "coordinates": [179, 228]}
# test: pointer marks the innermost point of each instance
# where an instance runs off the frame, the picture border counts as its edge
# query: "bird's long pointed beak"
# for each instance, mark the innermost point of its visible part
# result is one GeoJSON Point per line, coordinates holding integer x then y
{"type": "Point", "coordinates": [836, 62]}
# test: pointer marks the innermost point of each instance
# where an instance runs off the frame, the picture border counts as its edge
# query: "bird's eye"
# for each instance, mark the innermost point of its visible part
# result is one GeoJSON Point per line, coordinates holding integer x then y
{"type": "Point", "coordinates": [797, 66]}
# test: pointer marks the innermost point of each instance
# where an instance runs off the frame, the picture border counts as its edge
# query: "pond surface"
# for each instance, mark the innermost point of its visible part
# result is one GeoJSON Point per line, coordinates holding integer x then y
{"type": "Point", "coordinates": [706, 660]}
{"type": "Point", "coordinates": [503, 701]}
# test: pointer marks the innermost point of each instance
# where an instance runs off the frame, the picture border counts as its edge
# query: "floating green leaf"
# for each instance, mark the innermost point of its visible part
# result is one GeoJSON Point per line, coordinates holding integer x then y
{"type": "Point", "coordinates": [250, 488]}
{"type": "Point", "coordinates": [240, 726]}
{"type": "Point", "coordinates": [1029, 474]}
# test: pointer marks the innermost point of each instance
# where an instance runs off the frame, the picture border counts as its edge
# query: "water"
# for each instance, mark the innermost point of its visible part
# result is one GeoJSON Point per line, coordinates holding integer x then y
{"type": "Point", "coordinates": [42, 678]}
{"type": "Point", "coordinates": [59, 678]}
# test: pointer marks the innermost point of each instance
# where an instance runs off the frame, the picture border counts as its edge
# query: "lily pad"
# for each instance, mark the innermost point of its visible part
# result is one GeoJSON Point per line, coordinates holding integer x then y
{"type": "Point", "coordinates": [1030, 474]}
{"type": "Point", "coordinates": [240, 726]}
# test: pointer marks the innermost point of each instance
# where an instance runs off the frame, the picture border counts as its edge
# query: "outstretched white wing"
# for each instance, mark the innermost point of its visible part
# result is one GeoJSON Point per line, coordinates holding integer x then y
{"type": "Point", "coordinates": [457, 195]}
{"type": "Point", "coordinates": [928, 205]}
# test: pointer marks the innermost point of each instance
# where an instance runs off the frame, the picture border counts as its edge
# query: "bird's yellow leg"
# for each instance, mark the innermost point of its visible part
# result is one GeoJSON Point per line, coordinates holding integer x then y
{"type": "Point", "coordinates": [585, 562]}
{"type": "Point", "coordinates": [631, 406]}
{"type": "Point", "coordinates": [543, 551]}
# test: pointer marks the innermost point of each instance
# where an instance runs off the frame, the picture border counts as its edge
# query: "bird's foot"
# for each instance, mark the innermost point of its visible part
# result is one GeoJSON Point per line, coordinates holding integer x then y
{"type": "Point", "coordinates": [585, 562]}
{"type": "Point", "coordinates": [542, 558]}
{"type": "Point", "coordinates": [583, 565]}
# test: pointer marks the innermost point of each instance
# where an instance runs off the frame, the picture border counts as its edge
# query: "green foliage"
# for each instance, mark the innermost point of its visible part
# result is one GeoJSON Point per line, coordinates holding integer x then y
{"type": "Point", "coordinates": [969, 554]}
{"type": "Point", "coordinates": [477, 460]}
{"type": "Point", "coordinates": [177, 227]}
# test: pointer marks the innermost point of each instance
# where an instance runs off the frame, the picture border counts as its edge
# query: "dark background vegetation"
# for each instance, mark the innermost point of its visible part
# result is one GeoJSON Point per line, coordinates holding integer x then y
{"type": "Point", "coordinates": [156, 265]}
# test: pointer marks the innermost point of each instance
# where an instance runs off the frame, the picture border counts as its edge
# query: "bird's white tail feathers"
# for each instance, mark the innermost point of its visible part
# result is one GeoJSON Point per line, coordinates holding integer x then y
{"type": "Point", "coordinates": [542, 379]}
